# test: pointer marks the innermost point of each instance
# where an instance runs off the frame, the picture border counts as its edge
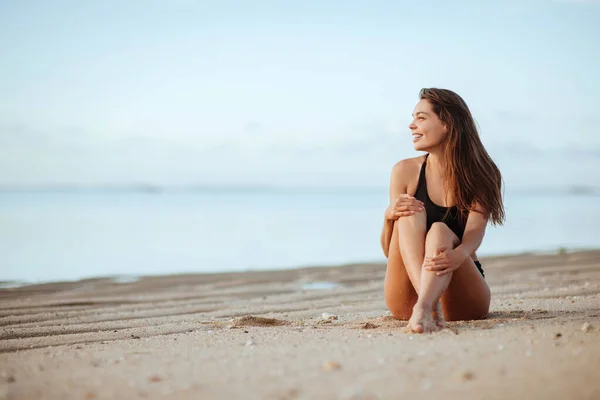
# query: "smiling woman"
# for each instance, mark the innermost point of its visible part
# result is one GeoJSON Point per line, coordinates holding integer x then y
{"type": "Point", "coordinates": [440, 204]}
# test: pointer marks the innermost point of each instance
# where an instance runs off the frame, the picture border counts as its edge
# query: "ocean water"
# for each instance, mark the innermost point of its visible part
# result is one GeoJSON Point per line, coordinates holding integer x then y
{"type": "Point", "coordinates": [69, 235]}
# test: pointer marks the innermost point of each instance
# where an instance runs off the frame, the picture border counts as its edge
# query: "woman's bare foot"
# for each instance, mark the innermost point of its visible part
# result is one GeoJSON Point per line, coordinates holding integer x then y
{"type": "Point", "coordinates": [438, 315]}
{"type": "Point", "coordinates": [421, 320]}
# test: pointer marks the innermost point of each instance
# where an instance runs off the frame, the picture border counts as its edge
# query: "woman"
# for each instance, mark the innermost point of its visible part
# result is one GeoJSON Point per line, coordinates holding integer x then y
{"type": "Point", "coordinates": [440, 204]}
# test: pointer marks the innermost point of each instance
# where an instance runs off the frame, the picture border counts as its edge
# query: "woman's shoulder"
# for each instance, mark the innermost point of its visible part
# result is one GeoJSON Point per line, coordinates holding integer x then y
{"type": "Point", "coordinates": [405, 173]}
{"type": "Point", "coordinates": [408, 166]}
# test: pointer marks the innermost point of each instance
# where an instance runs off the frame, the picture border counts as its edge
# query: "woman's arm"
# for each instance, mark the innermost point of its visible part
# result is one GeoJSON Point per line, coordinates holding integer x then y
{"type": "Point", "coordinates": [401, 203]}
{"type": "Point", "coordinates": [396, 189]}
{"type": "Point", "coordinates": [449, 260]}
{"type": "Point", "coordinates": [386, 235]}
{"type": "Point", "coordinates": [474, 231]}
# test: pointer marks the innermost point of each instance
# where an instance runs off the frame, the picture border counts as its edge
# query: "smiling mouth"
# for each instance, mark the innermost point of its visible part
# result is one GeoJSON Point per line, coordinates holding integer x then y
{"type": "Point", "coordinates": [416, 136]}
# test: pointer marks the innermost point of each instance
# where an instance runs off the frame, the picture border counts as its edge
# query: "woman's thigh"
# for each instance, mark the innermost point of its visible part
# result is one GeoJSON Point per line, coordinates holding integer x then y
{"type": "Point", "coordinates": [467, 296]}
{"type": "Point", "coordinates": [400, 295]}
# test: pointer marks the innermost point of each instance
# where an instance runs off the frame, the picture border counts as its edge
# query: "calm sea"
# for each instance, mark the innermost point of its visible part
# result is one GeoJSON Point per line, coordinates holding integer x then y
{"type": "Point", "coordinates": [51, 236]}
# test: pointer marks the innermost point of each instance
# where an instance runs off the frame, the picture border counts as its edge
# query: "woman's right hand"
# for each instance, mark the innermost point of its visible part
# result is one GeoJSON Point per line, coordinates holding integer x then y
{"type": "Point", "coordinates": [404, 206]}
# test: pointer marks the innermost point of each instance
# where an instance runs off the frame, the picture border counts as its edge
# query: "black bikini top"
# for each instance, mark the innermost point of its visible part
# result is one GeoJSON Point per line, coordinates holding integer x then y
{"type": "Point", "coordinates": [436, 213]}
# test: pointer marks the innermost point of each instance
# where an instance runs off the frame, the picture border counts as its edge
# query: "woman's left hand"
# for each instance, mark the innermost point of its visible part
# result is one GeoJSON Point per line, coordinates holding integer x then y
{"type": "Point", "coordinates": [444, 261]}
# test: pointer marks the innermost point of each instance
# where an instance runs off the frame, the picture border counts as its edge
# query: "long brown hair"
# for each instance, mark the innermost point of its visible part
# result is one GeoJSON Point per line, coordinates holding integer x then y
{"type": "Point", "coordinates": [471, 176]}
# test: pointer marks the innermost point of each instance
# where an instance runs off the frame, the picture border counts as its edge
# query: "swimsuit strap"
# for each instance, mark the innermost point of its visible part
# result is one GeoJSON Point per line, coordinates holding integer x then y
{"type": "Point", "coordinates": [422, 180]}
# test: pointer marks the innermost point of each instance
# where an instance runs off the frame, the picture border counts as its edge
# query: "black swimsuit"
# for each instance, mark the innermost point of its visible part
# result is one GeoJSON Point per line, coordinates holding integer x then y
{"type": "Point", "coordinates": [436, 213]}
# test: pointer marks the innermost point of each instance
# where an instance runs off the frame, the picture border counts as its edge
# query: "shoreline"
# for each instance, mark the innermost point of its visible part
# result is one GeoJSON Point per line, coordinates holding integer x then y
{"type": "Point", "coordinates": [127, 278]}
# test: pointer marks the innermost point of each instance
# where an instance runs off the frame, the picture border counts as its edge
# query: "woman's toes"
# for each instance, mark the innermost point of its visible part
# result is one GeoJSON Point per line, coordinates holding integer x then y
{"type": "Point", "coordinates": [417, 328]}
{"type": "Point", "coordinates": [422, 321]}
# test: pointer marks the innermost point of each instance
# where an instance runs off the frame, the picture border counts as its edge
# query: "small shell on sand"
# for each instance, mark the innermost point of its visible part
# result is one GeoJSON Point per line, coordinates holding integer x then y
{"type": "Point", "coordinates": [586, 327]}
{"type": "Point", "coordinates": [250, 342]}
{"type": "Point", "coordinates": [329, 317]}
{"type": "Point", "coordinates": [331, 366]}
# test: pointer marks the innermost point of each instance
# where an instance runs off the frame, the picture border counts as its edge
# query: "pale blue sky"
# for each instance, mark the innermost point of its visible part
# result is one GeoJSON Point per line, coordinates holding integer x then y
{"type": "Point", "coordinates": [282, 92]}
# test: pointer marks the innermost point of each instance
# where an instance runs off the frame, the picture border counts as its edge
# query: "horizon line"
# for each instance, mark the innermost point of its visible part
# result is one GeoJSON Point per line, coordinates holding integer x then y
{"type": "Point", "coordinates": [255, 188]}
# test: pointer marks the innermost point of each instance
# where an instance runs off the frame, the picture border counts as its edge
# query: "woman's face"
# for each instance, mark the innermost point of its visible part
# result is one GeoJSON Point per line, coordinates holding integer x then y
{"type": "Point", "coordinates": [428, 131]}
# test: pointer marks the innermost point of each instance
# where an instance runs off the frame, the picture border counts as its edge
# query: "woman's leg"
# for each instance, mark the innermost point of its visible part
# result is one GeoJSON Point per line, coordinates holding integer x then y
{"type": "Point", "coordinates": [411, 232]}
{"type": "Point", "coordinates": [399, 292]}
{"type": "Point", "coordinates": [432, 286]}
{"type": "Point", "coordinates": [467, 295]}
{"type": "Point", "coordinates": [405, 258]}
{"type": "Point", "coordinates": [464, 293]}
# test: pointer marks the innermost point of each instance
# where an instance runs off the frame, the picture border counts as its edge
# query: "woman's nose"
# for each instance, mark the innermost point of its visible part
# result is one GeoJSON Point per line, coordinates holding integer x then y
{"type": "Point", "coordinates": [412, 126]}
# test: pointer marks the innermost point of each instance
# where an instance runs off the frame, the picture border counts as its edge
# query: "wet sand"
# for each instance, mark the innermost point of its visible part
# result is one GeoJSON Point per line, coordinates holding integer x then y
{"type": "Point", "coordinates": [261, 335]}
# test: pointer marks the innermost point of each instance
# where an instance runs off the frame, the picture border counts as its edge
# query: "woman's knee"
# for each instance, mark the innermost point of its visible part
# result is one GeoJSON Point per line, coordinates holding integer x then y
{"type": "Point", "coordinates": [439, 228]}
{"type": "Point", "coordinates": [400, 310]}
{"type": "Point", "coordinates": [439, 231]}
{"type": "Point", "coordinates": [400, 297]}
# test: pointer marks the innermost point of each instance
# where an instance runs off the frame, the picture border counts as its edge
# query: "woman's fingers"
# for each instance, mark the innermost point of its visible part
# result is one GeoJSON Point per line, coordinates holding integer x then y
{"type": "Point", "coordinates": [439, 257]}
{"type": "Point", "coordinates": [436, 268]}
{"type": "Point", "coordinates": [404, 213]}
{"type": "Point", "coordinates": [410, 204]}
{"type": "Point", "coordinates": [406, 208]}
{"type": "Point", "coordinates": [436, 263]}
{"type": "Point", "coordinates": [410, 200]}
{"type": "Point", "coordinates": [409, 208]}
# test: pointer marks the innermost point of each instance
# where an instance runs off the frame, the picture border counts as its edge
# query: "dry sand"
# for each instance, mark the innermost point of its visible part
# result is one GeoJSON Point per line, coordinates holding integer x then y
{"type": "Point", "coordinates": [193, 337]}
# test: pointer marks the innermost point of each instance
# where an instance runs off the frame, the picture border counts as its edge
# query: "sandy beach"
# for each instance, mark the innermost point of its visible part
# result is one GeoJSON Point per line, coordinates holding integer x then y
{"type": "Point", "coordinates": [262, 335]}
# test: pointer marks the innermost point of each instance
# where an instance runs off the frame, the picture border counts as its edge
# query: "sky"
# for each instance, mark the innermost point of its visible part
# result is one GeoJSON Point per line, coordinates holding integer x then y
{"type": "Point", "coordinates": [316, 93]}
